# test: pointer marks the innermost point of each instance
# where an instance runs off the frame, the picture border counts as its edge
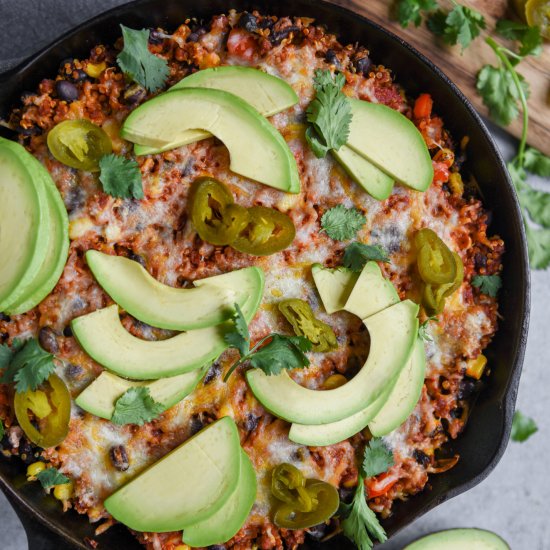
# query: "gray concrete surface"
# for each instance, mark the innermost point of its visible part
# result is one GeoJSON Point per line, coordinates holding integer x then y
{"type": "Point", "coordinates": [512, 501]}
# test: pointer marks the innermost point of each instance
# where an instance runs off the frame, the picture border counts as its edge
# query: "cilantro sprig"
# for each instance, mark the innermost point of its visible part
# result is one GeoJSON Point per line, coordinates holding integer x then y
{"type": "Point", "coordinates": [423, 329]}
{"type": "Point", "coordinates": [487, 284]}
{"type": "Point", "coordinates": [136, 406]}
{"type": "Point", "coordinates": [120, 177]}
{"type": "Point", "coordinates": [280, 352]}
{"type": "Point", "coordinates": [410, 11]}
{"type": "Point", "coordinates": [358, 254]}
{"type": "Point", "coordinates": [136, 61]}
{"type": "Point", "coordinates": [461, 25]}
{"type": "Point", "coordinates": [341, 223]}
{"type": "Point", "coordinates": [51, 477]}
{"type": "Point", "coordinates": [359, 522]}
{"type": "Point", "coordinates": [523, 427]}
{"type": "Point", "coordinates": [26, 364]}
{"type": "Point", "coordinates": [329, 114]}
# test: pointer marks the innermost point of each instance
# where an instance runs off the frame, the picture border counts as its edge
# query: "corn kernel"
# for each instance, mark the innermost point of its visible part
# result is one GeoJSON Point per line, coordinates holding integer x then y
{"type": "Point", "coordinates": [63, 491]}
{"type": "Point", "coordinates": [79, 227]}
{"type": "Point", "coordinates": [455, 184]}
{"type": "Point", "coordinates": [476, 366]}
{"type": "Point", "coordinates": [182, 547]}
{"type": "Point", "coordinates": [276, 292]}
{"type": "Point", "coordinates": [95, 69]}
{"type": "Point", "coordinates": [34, 469]}
{"type": "Point", "coordinates": [334, 381]}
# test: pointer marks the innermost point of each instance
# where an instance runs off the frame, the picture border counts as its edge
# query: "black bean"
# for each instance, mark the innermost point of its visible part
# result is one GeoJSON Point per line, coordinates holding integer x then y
{"type": "Point", "coordinates": [277, 37]}
{"type": "Point", "coordinates": [156, 36]}
{"type": "Point", "coordinates": [331, 58]}
{"type": "Point", "coordinates": [251, 422]}
{"type": "Point", "coordinates": [213, 372]}
{"type": "Point", "coordinates": [66, 91]}
{"type": "Point", "coordinates": [480, 260]}
{"type": "Point", "coordinates": [317, 532]}
{"type": "Point", "coordinates": [4, 317]}
{"type": "Point", "coordinates": [68, 331]}
{"type": "Point", "coordinates": [421, 457]}
{"type": "Point", "coordinates": [196, 424]}
{"type": "Point", "coordinates": [32, 131]}
{"type": "Point", "coordinates": [266, 23]}
{"type": "Point", "coordinates": [119, 458]}
{"type": "Point", "coordinates": [134, 94]}
{"type": "Point", "coordinates": [468, 387]}
{"type": "Point", "coordinates": [216, 547]}
{"type": "Point", "coordinates": [346, 493]}
{"type": "Point", "coordinates": [74, 199]}
{"type": "Point", "coordinates": [48, 340]}
{"type": "Point", "coordinates": [456, 412]}
{"type": "Point", "coordinates": [248, 22]}
{"type": "Point", "coordinates": [73, 371]}
{"type": "Point", "coordinates": [136, 257]}
{"type": "Point", "coordinates": [363, 65]}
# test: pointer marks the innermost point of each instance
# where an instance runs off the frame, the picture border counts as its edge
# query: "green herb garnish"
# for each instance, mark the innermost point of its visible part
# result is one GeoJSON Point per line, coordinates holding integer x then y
{"type": "Point", "coordinates": [423, 329]}
{"type": "Point", "coordinates": [329, 114]}
{"type": "Point", "coordinates": [136, 406]}
{"type": "Point", "coordinates": [120, 177]}
{"type": "Point", "coordinates": [410, 11]}
{"type": "Point", "coordinates": [341, 223]}
{"type": "Point", "coordinates": [357, 255]}
{"type": "Point", "coordinates": [529, 38]}
{"type": "Point", "coordinates": [458, 26]}
{"type": "Point", "coordinates": [378, 458]}
{"type": "Point", "coordinates": [487, 284]}
{"type": "Point", "coordinates": [139, 63]}
{"type": "Point", "coordinates": [26, 364]}
{"type": "Point", "coordinates": [281, 352]}
{"type": "Point", "coordinates": [51, 477]}
{"type": "Point", "coordinates": [523, 427]}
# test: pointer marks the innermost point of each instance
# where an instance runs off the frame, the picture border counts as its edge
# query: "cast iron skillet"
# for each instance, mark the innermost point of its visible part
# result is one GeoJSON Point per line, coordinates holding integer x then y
{"type": "Point", "coordinates": [488, 430]}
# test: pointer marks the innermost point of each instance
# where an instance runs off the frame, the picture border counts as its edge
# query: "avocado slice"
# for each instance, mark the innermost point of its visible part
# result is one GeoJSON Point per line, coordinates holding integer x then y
{"type": "Point", "coordinates": [100, 397]}
{"type": "Point", "coordinates": [404, 395]}
{"type": "Point", "coordinates": [256, 149]}
{"type": "Point", "coordinates": [372, 293]}
{"type": "Point", "coordinates": [186, 486]}
{"type": "Point", "coordinates": [375, 182]}
{"type": "Point", "coordinates": [334, 285]}
{"type": "Point", "coordinates": [56, 256]}
{"type": "Point", "coordinates": [226, 522]}
{"type": "Point", "coordinates": [391, 142]}
{"type": "Point", "coordinates": [460, 539]}
{"type": "Point", "coordinates": [393, 332]}
{"type": "Point", "coordinates": [385, 414]}
{"type": "Point", "coordinates": [266, 93]}
{"type": "Point", "coordinates": [25, 218]}
{"type": "Point", "coordinates": [210, 303]}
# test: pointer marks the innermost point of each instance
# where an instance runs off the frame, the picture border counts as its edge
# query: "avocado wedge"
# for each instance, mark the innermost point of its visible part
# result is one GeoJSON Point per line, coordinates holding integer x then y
{"type": "Point", "coordinates": [226, 522]}
{"type": "Point", "coordinates": [460, 539]}
{"type": "Point", "coordinates": [186, 486]}
{"type": "Point", "coordinates": [264, 92]}
{"type": "Point", "coordinates": [390, 141]}
{"type": "Point", "coordinates": [256, 149]}
{"type": "Point", "coordinates": [210, 303]}
{"type": "Point", "coordinates": [334, 285]}
{"type": "Point", "coordinates": [25, 219]}
{"type": "Point", "coordinates": [393, 332]}
{"type": "Point", "coordinates": [100, 397]}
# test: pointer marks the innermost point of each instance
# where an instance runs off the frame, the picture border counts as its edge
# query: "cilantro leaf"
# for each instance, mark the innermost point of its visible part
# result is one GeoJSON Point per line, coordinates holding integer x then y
{"type": "Point", "coordinates": [139, 63]}
{"type": "Point", "coordinates": [136, 406]}
{"type": "Point", "coordinates": [28, 367]}
{"type": "Point", "coordinates": [537, 204]}
{"type": "Point", "coordinates": [499, 93]}
{"type": "Point", "coordinates": [341, 223]}
{"type": "Point", "coordinates": [358, 254]}
{"type": "Point", "coordinates": [120, 177]}
{"type": "Point", "coordinates": [329, 114]}
{"type": "Point", "coordinates": [410, 11]}
{"type": "Point", "coordinates": [529, 37]}
{"type": "Point", "coordinates": [460, 26]}
{"type": "Point", "coordinates": [360, 521]}
{"type": "Point", "coordinates": [7, 353]}
{"type": "Point", "coordinates": [487, 284]}
{"type": "Point", "coordinates": [282, 352]}
{"type": "Point", "coordinates": [50, 477]}
{"type": "Point", "coordinates": [537, 163]}
{"type": "Point", "coordinates": [423, 329]}
{"type": "Point", "coordinates": [378, 458]}
{"type": "Point", "coordinates": [538, 242]}
{"type": "Point", "coordinates": [523, 427]}
{"type": "Point", "coordinates": [240, 337]}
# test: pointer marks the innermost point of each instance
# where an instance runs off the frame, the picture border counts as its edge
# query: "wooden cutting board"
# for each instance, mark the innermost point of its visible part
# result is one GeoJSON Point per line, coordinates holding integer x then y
{"type": "Point", "coordinates": [463, 69]}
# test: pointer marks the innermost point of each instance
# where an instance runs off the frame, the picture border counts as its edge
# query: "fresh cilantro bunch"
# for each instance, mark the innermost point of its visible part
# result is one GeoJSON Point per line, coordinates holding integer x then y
{"type": "Point", "coordinates": [281, 352]}
{"type": "Point", "coordinates": [136, 406]}
{"type": "Point", "coordinates": [461, 25]}
{"type": "Point", "coordinates": [26, 364]}
{"type": "Point", "coordinates": [329, 114]}
{"type": "Point", "coordinates": [359, 522]}
{"type": "Point", "coordinates": [358, 254]}
{"type": "Point", "coordinates": [341, 223]}
{"type": "Point", "coordinates": [410, 11]}
{"type": "Point", "coordinates": [139, 63]}
{"type": "Point", "coordinates": [523, 427]}
{"type": "Point", "coordinates": [120, 177]}
{"type": "Point", "coordinates": [487, 284]}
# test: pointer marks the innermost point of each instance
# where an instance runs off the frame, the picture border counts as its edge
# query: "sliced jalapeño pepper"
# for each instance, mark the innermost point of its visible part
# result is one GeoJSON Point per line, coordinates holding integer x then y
{"type": "Point", "coordinates": [288, 486]}
{"type": "Point", "coordinates": [434, 295]}
{"type": "Point", "coordinates": [51, 408]}
{"type": "Point", "coordinates": [213, 212]}
{"type": "Point", "coordinates": [268, 231]}
{"type": "Point", "coordinates": [79, 144]}
{"type": "Point", "coordinates": [435, 260]}
{"type": "Point", "coordinates": [327, 501]}
{"type": "Point", "coordinates": [298, 313]}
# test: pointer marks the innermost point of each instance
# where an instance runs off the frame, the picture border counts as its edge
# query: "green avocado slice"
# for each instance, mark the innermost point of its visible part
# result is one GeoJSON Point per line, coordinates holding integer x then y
{"type": "Point", "coordinates": [210, 303]}
{"type": "Point", "coordinates": [186, 486]}
{"type": "Point", "coordinates": [25, 220]}
{"type": "Point", "coordinates": [398, 149]}
{"type": "Point", "coordinates": [56, 257]}
{"type": "Point", "coordinates": [256, 149]}
{"type": "Point", "coordinates": [393, 332]}
{"type": "Point", "coordinates": [226, 522]}
{"type": "Point", "coordinates": [100, 397]}
{"type": "Point", "coordinates": [460, 539]}
{"type": "Point", "coordinates": [334, 285]}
